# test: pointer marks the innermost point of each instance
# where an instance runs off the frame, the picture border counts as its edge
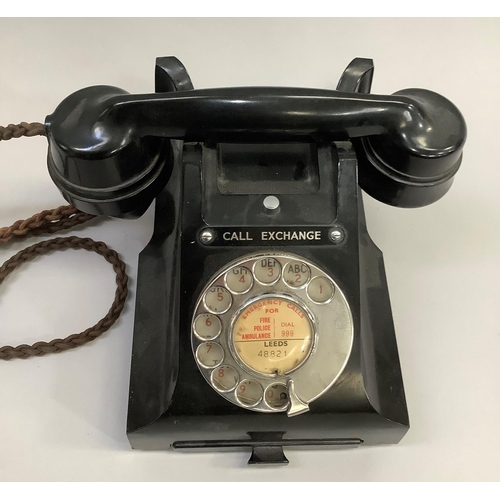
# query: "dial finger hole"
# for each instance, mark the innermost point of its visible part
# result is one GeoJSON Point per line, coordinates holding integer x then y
{"type": "Point", "coordinates": [249, 393]}
{"type": "Point", "coordinates": [225, 378]}
{"type": "Point", "coordinates": [207, 326]}
{"type": "Point", "coordinates": [239, 279]}
{"type": "Point", "coordinates": [320, 290]}
{"type": "Point", "coordinates": [296, 274]}
{"type": "Point", "coordinates": [267, 270]}
{"type": "Point", "coordinates": [277, 396]}
{"type": "Point", "coordinates": [218, 300]}
{"type": "Point", "coordinates": [209, 354]}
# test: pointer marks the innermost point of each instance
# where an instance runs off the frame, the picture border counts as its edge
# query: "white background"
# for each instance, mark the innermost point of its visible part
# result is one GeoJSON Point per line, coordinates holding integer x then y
{"type": "Point", "coordinates": [62, 417]}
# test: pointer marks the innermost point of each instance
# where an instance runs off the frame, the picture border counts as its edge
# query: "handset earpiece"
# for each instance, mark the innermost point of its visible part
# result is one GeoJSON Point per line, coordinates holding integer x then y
{"type": "Point", "coordinates": [401, 177]}
{"type": "Point", "coordinates": [104, 170]}
{"type": "Point", "coordinates": [109, 151]}
{"type": "Point", "coordinates": [416, 177]}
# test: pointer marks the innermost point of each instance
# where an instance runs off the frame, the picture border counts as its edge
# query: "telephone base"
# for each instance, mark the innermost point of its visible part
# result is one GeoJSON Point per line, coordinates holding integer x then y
{"type": "Point", "coordinates": [172, 406]}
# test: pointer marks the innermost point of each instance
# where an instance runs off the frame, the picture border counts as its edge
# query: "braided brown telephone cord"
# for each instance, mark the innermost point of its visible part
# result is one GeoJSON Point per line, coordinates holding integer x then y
{"type": "Point", "coordinates": [24, 128]}
{"type": "Point", "coordinates": [50, 221]}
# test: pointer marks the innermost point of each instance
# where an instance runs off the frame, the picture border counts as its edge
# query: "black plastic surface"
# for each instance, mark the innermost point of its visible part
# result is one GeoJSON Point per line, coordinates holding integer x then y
{"type": "Point", "coordinates": [112, 153]}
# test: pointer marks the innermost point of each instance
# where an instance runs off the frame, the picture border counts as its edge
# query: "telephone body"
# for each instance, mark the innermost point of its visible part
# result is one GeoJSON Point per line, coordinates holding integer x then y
{"type": "Point", "coordinates": [263, 317]}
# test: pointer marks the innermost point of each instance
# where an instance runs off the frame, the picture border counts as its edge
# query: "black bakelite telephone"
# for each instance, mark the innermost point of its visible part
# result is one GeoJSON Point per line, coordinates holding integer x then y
{"type": "Point", "coordinates": [262, 316]}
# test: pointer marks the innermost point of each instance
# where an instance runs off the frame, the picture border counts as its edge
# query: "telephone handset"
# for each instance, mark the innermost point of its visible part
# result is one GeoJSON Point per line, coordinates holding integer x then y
{"type": "Point", "coordinates": [109, 150]}
{"type": "Point", "coordinates": [262, 315]}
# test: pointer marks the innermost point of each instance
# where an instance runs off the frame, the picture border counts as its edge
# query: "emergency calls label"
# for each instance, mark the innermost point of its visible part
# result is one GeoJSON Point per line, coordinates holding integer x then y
{"type": "Point", "coordinates": [273, 335]}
